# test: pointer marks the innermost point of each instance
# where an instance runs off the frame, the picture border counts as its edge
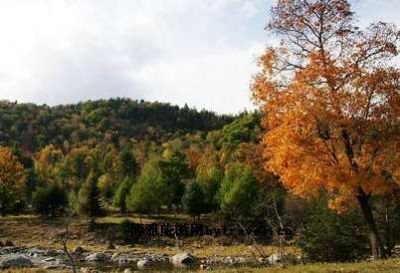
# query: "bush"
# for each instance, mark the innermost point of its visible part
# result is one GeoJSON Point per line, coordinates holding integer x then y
{"type": "Point", "coordinates": [126, 228]}
{"type": "Point", "coordinates": [329, 237]}
{"type": "Point", "coordinates": [50, 200]}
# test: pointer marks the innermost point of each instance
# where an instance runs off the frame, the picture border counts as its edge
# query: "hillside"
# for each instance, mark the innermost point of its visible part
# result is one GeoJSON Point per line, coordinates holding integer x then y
{"type": "Point", "coordinates": [35, 126]}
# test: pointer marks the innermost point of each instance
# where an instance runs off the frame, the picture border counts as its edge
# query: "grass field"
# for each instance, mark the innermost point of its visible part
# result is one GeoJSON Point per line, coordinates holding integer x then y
{"type": "Point", "coordinates": [31, 231]}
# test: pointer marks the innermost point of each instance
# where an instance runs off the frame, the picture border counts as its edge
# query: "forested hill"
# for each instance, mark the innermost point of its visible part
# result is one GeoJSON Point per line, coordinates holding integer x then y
{"type": "Point", "coordinates": [33, 126]}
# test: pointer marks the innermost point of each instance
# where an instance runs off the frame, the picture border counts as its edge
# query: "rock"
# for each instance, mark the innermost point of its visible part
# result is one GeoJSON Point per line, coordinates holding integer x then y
{"type": "Point", "coordinates": [229, 260]}
{"type": "Point", "coordinates": [274, 258]}
{"type": "Point", "coordinates": [183, 260]}
{"type": "Point", "coordinates": [128, 270]}
{"type": "Point", "coordinates": [88, 270]}
{"type": "Point", "coordinates": [145, 263]}
{"type": "Point", "coordinates": [79, 250]}
{"type": "Point", "coordinates": [115, 256]}
{"type": "Point", "coordinates": [205, 267]}
{"type": "Point", "coordinates": [97, 257]}
{"type": "Point", "coordinates": [35, 252]}
{"type": "Point", "coordinates": [50, 259]}
{"type": "Point", "coordinates": [52, 266]}
{"type": "Point", "coordinates": [262, 260]}
{"type": "Point", "coordinates": [14, 261]}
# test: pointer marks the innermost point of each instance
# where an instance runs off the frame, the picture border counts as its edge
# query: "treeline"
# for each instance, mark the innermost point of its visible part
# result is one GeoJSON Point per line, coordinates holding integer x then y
{"type": "Point", "coordinates": [198, 172]}
{"type": "Point", "coordinates": [216, 170]}
{"type": "Point", "coordinates": [32, 127]}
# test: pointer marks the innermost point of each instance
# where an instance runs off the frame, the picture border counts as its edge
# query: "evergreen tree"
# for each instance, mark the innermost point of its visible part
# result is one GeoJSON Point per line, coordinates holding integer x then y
{"type": "Point", "coordinates": [107, 186]}
{"type": "Point", "coordinates": [151, 191]}
{"type": "Point", "coordinates": [119, 200]}
{"type": "Point", "coordinates": [128, 165]}
{"type": "Point", "coordinates": [238, 192]}
{"type": "Point", "coordinates": [209, 176]}
{"type": "Point", "coordinates": [329, 237]}
{"type": "Point", "coordinates": [175, 170]}
{"type": "Point", "coordinates": [89, 197]}
{"type": "Point", "coordinates": [50, 200]}
{"type": "Point", "coordinates": [193, 200]}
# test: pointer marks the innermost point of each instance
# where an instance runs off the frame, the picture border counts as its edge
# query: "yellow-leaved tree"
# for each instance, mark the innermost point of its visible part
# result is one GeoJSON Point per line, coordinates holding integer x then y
{"type": "Point", "coordinates": [12, 180]}
{"type": "Point", "coordinates": [331, 102]}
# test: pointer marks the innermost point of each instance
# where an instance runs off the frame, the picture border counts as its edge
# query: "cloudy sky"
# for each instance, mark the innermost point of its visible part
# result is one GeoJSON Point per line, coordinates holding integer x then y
{"type": "Point", "coordinates": [199, 52]}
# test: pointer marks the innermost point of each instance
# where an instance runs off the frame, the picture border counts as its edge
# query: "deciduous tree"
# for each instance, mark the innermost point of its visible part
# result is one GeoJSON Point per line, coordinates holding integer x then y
{"type": "Point", "coordinates": [331, 99]}
{"type": "Point", "coordinates": [12, 180]}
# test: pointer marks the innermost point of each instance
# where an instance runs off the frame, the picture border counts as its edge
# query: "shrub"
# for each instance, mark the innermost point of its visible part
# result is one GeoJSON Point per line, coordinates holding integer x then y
{"type": "Point", "coordinates": [330, 237]}
{"type": "Point", "coordinates": [50, 200]}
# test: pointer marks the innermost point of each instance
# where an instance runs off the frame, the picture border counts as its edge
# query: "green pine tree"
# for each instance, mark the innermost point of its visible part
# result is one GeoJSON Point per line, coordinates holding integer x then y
{"type": "Point", "coordinates": [89, 198]}
{"type": "Point", "coordinates": [193, 200]}
{"type": "Point", "coordinates": [119, 200]}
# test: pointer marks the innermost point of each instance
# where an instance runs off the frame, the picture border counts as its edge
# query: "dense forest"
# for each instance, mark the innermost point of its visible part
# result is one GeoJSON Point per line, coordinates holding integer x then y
{"type": "Point", "coordinates": [122, 156]}
{"type": "Point", "coordinates": [115, 120]}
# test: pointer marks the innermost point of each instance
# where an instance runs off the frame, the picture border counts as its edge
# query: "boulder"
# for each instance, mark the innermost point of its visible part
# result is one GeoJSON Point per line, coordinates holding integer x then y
{"type": "Point", "coordinates": [15, 261]}
{"type": "Point", "coordinates": [141, 264]}
{"type": "Point", "coordinates": [183, 260]}
{"type": "Point", "coordinates": [35, 252]}
{"type": "Point", "coordinates": [97, 257]}
{"type": "Point", "coordinates": [78, 250]}
{"type": "Point", "coordinates": [274, 258]}
{"type": "Point", "coordinates": [50, 259]}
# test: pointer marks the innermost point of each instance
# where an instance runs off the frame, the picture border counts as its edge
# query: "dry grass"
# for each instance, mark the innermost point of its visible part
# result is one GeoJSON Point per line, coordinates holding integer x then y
{"type": "Point", "coordinates": [32, 231]}
{"type": "Point", "coordinates": [388, 266]}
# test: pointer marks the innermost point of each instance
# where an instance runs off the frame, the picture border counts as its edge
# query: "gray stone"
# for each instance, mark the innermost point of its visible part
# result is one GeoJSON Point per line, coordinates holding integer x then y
{"type": "Point", "coordinates": [50, 259]}
{"type": "Point", "coordinates": [145, 263]}
{"type": "Point", "coordinates": [35, 252]}
{"type": "Point", "coordinates": [183, 260]}
{"type": "Point", "coordinates": [79, 250]}
{"type": "Point", "coordinates": [274, 258]}
{"type": "Point", "coordinates": [52, 266]}
{"type": "Point", "coordinates": [97, 257]}
{"type": "Point", "coordinates": [14, 261]}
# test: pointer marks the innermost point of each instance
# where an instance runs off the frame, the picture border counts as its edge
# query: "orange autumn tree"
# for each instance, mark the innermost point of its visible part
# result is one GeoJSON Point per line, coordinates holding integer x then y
{"type": "Point", "coordinates": [331, 102]}
{"type": "Point", "coordinates": [12, 180]}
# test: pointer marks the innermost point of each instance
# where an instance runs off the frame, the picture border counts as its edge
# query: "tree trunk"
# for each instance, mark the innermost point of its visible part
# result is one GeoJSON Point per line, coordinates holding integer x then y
{"type": "Point", "coordinates": [375, 242]}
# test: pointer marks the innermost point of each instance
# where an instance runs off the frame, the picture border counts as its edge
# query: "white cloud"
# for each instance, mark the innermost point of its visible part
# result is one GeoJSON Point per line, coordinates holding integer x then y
{"type": "Point", "coordinates": [199, 52]}
{"type": "Point", "coordinates": [215, 81]}
{"type": "Point", "coordinates": [63, 51]}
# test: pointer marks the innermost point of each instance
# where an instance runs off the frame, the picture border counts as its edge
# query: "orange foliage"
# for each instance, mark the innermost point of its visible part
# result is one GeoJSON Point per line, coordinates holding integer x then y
{"type": "Point", "coordinates": [12, 174]}
{"type": "Point", "coordinates": [331, 100]}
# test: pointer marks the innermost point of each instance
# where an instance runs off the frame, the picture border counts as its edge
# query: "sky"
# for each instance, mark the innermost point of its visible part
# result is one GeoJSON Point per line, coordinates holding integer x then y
{"type": "Point", "coordinates": [199, 52]}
